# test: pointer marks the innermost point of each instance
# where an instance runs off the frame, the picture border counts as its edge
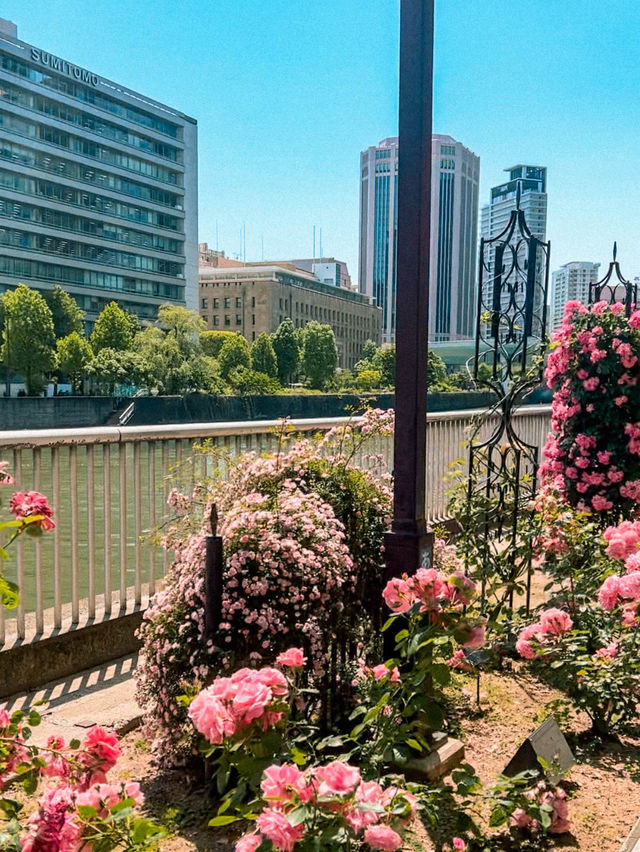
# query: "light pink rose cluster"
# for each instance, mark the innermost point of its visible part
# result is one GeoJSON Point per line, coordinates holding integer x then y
{"type": "Point", "coordinates": [431, 589]}
{"type": "Point", "coordinates": [625, 591]}
{"type": "Point", "coordinates": [556, 799]}
{"type": "Point", "coordinates": [231, 704]}
{"type": "Point", "coordinates": [365, 809]}
{"type": "Point", "coordinates": [553, 624]}
{"type": "Point", "coordinates": [622, 539]}
{"type": "Point", "coordinates": [26, 504]}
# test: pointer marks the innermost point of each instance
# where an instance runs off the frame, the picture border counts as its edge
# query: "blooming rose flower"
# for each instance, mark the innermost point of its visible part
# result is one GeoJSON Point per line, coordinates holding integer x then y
{"type": "Point", "coordinates": [458, 843]}
{"type": "Point", "coordinates": [381, 671]}
{"type": "Point", "coordinates": [609, 593]}
{"type": "Point", "coordinates": [476, 637]}
{"type": "Point", "coordinates": [277, 828]}
{"type": "Point", "coordinates": [371, 794]}
{"type": "Point", "coordinates": [284, 783]}
{"type": "Point", "coordinates": [250, 701]}
{"type": "Point", "coordinates": [100, 753]}
{"type": "Point", "coordinates": [609, 652]}
{"type": "Point", "coordinates": [25, 504]}
{"type": "Point", "coordinates": [523, 645]}
{"type": "Point", "coordinates": [382, 837]}
{"type": "Point", "coordinates": [397, 595]}
{"type": "Point", "coordinates": [555, 621]}
{"type": "Point", "coordinates": [294, 658]}
{"type": "Point", "coordinates": [211, 717]}
{"type": "Point", "coordinates": [248, 843]}
{"type": "Point", "coordinates": [337, 778]}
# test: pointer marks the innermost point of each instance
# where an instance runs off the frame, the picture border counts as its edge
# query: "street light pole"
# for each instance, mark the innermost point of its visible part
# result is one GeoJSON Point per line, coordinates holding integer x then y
{"type": "Point", "coordinates": [409, 544]}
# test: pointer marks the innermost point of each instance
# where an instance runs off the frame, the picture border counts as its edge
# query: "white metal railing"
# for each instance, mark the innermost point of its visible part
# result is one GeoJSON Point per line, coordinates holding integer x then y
{"type": "Point", "coordinates": [109, 486]}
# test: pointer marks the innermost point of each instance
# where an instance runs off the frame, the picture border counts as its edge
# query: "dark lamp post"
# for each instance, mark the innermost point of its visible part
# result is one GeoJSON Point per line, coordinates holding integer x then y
{"type": "Point", "coordinates": [409, 544]}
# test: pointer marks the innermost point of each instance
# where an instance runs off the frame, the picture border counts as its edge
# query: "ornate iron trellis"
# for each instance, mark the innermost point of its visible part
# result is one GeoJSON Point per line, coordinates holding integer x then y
{"type": "Point", "coordinates": [613, 290]}
{"type": "Point", "coordinates": [510, 339]}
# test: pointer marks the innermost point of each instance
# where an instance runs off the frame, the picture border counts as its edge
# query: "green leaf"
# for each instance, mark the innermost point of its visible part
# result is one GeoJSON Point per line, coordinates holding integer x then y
{"type": "Point", "coordinates": [86, 812]}
{"type": "Point", "coordinates": [223, 820]}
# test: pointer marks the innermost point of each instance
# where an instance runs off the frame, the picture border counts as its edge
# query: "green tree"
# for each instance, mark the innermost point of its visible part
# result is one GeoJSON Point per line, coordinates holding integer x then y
{"type": "Point", "coordinates": [252, 382]}
{"type": "Point", "coordinates": [74, 353]}
{"type": "Point", "coordinates": [320, 355]}
{"type": "Point", "coordinates": [68, 317]}
{"type": "Point", "coordinates": [234, 353]}
{"type": "Point", "coordinates": [113, 329]}
{"type": "Point", "coordinates": [184, 325]}
{"type": "Point", "coordinates": [287, 350]}
{"type": "Point", "coordinates": [385, 361]}
{"type": "Point", "coordinates": [263, 356]}
{"type": "Point", "coordinates": [213, 341]}
{"type": "Point", "coordinates": [28, 346]}
{"type": "Point", "coordinates": [436, 371]}
{"type": "Point", "coordinates": [169, 370]}
{"type": "Point", "coordinates": [112, 367]}
{"type": "Point", "coordinates": [367, 380]}
{"type": "Point", "coordinates": [369, 351]}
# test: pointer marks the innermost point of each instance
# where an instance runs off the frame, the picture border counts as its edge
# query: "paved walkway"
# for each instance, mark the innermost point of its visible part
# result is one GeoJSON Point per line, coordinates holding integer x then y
{"type": "Point", "coordinates": [100, 696]}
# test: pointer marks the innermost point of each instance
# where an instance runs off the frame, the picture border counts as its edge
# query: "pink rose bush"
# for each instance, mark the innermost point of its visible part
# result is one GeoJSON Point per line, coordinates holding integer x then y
{"type": "Point", "coordinates": [328, 807]}
{"type": "Point", "coordinates": [593, 455]}
{"type": "Point", "coordinates": [78, 803]}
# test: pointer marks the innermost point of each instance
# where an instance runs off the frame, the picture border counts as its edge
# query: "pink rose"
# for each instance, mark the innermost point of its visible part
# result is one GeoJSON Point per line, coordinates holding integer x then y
{"type": "Point", "coordinates": [211, 717]}
{"type": "Point", "coordinates": [555, 621]}
{"type": "Point", "coordinates": [382, 837]}
{"type": "Point", "coordinates": [100, 752]}
{"type": "Point", "coordinates": [381, 671]}
{"type": "Point", "coordinates": [250, 701]}
{"type": "Point", "coordinates": [277, 828]}
{"type": "Point", "coordinates": [397, 595]}
{"type": "Point", "coordinates": [476, 637]}
{"type": "Point", "coordinates": [294, 658]}
{"type": "Point", "coordinates": [337, 778]}
{"type": "Point", "coordinates": [25, 504]}
{"type": "Point", "coordinates": [248, 843]}
{"type": "Point", "coordinates": [284, 783]}
{"type": "Point", "coordinates": [458, 843]}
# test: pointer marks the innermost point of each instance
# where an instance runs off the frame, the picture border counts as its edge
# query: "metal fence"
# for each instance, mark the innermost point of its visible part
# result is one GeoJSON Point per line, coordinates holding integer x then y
{"type": "Point", "coordinates": [109, 488]}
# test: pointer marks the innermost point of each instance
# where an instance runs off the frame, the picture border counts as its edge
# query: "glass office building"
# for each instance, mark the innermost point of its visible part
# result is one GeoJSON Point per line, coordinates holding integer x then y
{"type": "Point", "coordinates": [98, 186]}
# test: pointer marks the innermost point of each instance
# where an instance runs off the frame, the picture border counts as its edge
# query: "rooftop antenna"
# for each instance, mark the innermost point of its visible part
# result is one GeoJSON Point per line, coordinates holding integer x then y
{"type": "Point", "coordinates": [314, 242]}
{"type": "Point", "coordinates": [244, 242]}
{"type": "Point", "coordinates": [320, 242]}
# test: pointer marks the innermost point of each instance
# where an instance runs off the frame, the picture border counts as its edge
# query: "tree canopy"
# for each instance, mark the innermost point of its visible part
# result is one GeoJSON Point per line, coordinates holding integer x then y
{"type": "Point", "coordinates": [320, 355]}
{"type": "Point", "coordinates": [234, 353]}
{"type": "Point", "coordinates": [287, 350]}
{"type": "Point", "coordinates": [67, 316]}
{"type": "Point", "coordinates": [263, 356]}
{"type": "Point", "coordinates": [74, 354]}
{"type": "Point", "coordinates": [28, 338]}
{"type": "Point", "coordinates": [113, 330]}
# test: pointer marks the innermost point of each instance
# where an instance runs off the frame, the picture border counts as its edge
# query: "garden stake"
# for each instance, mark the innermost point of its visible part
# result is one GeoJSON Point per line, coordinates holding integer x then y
{"type": "Point", "coordinates": [214, 568]}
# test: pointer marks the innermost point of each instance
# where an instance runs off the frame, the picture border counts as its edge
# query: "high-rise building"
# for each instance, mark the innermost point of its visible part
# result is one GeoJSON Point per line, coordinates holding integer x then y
{"type": "Point", "coordinates": [571, 282]}
{"type": "Point", "coordinates": [530, 183]}
{"type": "Point", "coordinates": [98, 186]}
{"type": "Point", "coordinates": [454, 226]}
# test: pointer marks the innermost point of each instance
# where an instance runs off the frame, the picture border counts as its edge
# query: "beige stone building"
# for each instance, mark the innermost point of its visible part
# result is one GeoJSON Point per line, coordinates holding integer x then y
{"type": "Point", "coordinates": [252, 299]}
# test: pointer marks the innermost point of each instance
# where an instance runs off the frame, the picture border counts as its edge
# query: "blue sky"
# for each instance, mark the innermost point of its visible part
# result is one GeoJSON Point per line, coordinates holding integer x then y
{"type": "Point", "coordinates": [288, 92]}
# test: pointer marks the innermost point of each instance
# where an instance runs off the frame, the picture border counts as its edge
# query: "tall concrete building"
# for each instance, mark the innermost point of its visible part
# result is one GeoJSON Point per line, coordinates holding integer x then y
{"type": "Point", "coordinates": [98, 186]}
{"type": "Point", "coordinates": [531, 181]}
{"type": "Point", "coordinates": [454, 227]}
{"type": "Point", "coordinates": [570, 282]}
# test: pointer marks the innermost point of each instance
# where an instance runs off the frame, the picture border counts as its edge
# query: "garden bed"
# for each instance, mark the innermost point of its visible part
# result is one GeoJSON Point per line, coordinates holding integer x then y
{"type": "Point", "coordinates": [604, 783]}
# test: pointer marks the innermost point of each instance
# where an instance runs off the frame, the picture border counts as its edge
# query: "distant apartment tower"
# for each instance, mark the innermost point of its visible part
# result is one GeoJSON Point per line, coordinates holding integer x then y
{"type": "Point", "coordinates": [454, 227]}
{"type": "Point", "coordinates": [571, 282]}
{"type": "Point", "coordinates": [532, 184]}
{"type": "Point", "coordinates": [98, 186]}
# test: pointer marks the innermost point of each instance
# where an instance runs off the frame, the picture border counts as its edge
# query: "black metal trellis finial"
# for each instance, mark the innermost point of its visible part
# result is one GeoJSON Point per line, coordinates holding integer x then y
{"type": "Point", "coordinates": [612, 290]}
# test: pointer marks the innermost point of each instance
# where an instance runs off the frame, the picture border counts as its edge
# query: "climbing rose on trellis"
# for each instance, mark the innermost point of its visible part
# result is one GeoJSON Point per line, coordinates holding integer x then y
{"type": "Point", "coordinates": [593, 455]}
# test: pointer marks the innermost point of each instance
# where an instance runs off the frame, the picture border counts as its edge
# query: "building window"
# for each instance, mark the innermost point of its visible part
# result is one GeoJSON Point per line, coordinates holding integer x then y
{"type": "Point", "coordinates": [204, 304]}
{"type": "Point", "coordinates": [238, 319]}
{"type": "Point", "coordinates": [227, 302]}
{"type": "Point", "coordinates": [227, 319]}
{"type": "Point", "coordinates": [253, 319]}
{"type": "Point", "coordinates": [253, 335]}
{"type": "Point", "coordinates": [238, 302]}
{"type": "Point", "coordinates": [205, 317]}
{"type": "Point", "coordinates": [216, 320]}
{"type": "Point", "coordinates": [216, 303]}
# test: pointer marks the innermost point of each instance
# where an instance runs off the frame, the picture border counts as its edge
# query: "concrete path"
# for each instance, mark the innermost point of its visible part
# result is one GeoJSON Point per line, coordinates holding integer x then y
{"type": "Point", "coordinates": [100, 696]}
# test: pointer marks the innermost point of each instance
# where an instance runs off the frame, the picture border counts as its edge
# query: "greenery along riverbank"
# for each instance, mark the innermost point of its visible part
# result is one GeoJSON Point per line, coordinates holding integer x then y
{"type": "Point", "coordinates": [44, 339]}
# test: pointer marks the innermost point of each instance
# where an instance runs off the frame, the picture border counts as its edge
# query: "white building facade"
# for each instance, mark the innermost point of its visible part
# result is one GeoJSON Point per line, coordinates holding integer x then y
{"type": "Point", "coordinates": [571, 282]}
{"type": "Point", "coordinates": [98, 186]}
{"type": "Point", "coordinates": [454, 227]}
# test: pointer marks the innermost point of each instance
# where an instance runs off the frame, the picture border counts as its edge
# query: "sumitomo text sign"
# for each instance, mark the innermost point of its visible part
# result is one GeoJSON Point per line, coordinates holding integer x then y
{"type": "Point", "coordinates": [64, 67]}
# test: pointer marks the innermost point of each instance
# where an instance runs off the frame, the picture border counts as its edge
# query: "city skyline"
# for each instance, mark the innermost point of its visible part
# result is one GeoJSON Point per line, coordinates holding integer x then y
{"type": "Point", "coordinates": [245, 175]}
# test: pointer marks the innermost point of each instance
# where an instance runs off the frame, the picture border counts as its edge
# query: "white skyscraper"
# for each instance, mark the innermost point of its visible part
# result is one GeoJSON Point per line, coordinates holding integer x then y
{"type": "Point", "coordinates": [570, 282]}
{"type": "Point", "coordinates": [531, 181]}
{"type": "Point", "coordinates": [454, 225]}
